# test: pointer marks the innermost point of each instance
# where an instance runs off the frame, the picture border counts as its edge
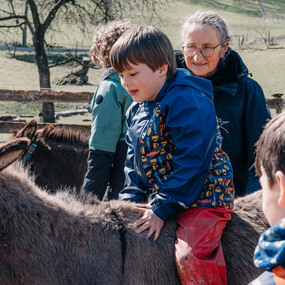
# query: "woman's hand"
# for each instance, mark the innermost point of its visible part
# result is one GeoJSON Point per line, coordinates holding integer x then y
{"type": "Point", "coordinates": [149, 220]}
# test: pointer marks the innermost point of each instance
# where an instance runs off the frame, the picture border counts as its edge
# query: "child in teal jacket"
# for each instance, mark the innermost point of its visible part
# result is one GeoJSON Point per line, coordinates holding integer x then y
{"type": "Point", "coordinates": [107, 146]}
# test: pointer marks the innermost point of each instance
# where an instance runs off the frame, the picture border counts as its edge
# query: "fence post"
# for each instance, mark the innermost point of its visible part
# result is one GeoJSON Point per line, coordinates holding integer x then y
{"type": "Point", "coordinates": [279, 106]}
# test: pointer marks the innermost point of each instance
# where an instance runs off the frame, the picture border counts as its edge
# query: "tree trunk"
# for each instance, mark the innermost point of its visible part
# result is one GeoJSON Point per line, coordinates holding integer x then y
{"type": "Point", "coordinates": [42, 63]}
{"type": "Point", "coordinates": [24, 39]}
{"type": "Point", "coordinates": [265, 14]}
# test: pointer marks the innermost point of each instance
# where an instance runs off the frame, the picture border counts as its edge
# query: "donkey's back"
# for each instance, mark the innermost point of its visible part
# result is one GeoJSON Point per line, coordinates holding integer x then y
{"type": "Point", "coordinates": [59, 239]}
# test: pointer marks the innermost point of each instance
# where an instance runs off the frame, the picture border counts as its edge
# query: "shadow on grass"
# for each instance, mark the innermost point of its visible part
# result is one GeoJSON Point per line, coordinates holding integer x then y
{"type": "Point", "coordinates": [53, 58]}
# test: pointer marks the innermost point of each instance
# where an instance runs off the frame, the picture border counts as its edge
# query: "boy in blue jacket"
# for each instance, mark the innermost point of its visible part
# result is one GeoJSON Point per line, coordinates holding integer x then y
{"type": "Point", "coordinates": [174, 159]}
{"type": "Point", "coordinates": [270, 165]}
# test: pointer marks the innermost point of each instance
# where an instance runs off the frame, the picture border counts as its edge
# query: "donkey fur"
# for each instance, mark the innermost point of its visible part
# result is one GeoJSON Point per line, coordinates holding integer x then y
{"type": "Point", "coordinates": [64, 239]}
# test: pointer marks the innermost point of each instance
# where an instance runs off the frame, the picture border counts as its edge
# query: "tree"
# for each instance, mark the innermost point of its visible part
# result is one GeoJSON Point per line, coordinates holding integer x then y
{"type": "Point", "coordinates": [24, 29]}
{"type": "Point", "coordinates": [265, 14]}
{"type": "Point", "coordinates": [43, 13]}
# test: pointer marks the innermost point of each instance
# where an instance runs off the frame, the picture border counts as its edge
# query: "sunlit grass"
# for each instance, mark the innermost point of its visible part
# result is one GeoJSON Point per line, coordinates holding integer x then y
{"type": "Point", "coordinates": [243, 17]}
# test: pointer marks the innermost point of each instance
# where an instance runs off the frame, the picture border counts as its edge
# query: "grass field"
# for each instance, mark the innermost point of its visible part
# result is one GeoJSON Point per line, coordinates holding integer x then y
{"type": "Point", "coordinates": [244, 19]}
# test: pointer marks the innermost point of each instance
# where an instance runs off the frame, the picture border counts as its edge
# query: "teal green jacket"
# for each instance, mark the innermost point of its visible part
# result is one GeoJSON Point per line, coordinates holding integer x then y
{"type": "Point", "coordinates": [108, 108]}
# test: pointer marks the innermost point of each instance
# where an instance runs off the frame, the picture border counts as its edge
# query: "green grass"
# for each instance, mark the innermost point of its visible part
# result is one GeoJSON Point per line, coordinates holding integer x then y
{"type": "Point", "coordinates": [267, 67]}
{"type": "Point", "coordinates": [19, 74]}
{"type": "Point", "coordinates": [244, 18]}
{"type": "Point", "coordinates": [240, 19]}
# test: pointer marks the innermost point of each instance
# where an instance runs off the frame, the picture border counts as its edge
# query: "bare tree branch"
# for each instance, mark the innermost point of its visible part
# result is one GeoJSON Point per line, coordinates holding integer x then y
{"type": "Point", "coordinates": [45, 14]}
{"type": "Point", "coordinates": [35, 14]}
{"type": "Point", "coordinates": [50, 16]}
{"type": "Point", "coordinates": [13, 26]}
{"type": "Point", "coordinates": [12, 17]}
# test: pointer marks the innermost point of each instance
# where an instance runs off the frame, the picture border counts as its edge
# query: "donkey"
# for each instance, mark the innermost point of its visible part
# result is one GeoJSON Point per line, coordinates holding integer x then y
{"type": "Point", "coordinates": [57, 156]}
{"type": "Point", "coordinates": [64, 239]}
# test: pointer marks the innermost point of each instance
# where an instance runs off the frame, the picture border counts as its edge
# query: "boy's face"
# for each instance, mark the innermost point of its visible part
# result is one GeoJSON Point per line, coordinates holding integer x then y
{"type": "Point", "coordinates": [142, 83]}
{"type": "Point", "coordinates": [273, 201]}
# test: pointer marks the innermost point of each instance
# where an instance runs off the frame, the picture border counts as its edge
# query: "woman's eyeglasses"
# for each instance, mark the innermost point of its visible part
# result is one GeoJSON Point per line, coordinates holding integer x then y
{"type": "Point", "coordinates": [192, 50]}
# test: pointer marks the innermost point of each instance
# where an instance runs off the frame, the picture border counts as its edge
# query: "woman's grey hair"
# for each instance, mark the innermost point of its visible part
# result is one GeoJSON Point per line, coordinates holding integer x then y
{"type": "Point", "coordinates": [207, 18]}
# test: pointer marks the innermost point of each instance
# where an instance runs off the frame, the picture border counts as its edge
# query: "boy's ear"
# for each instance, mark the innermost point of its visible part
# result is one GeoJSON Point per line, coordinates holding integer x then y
{"type": "Point", "coordinates": [280, 176]}
{"type": "Point", "coordinates": [163, 69]}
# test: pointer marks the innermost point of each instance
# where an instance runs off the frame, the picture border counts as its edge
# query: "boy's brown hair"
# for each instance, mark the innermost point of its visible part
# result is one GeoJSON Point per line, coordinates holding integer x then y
{"type": "Point", "coordinates": [104, 39]}
{"type": "Point", "coordinates": [147, 45]}
{"type": "Point", "coordinates": [270, 152]}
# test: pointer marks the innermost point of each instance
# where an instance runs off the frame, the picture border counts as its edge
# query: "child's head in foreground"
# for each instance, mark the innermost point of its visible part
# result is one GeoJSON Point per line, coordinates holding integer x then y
{"type": "Point", "coordinates": [144, 58]}
{"type": "Point", "coordinates": [104, 39]}
{"type": "Point", "coordinates": [270, 165]}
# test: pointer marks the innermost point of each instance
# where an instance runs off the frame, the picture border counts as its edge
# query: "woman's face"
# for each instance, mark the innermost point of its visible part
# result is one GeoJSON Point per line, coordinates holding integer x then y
{"type": "Point", "coordinates": [198, 36]}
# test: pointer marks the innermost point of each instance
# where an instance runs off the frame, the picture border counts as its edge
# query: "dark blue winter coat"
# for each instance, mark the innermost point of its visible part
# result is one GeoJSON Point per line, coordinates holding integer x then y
{"type": "Point", "coordinates": [174, 156]}
{"type": "Point", "coordinates": [241, 107]}
{"type": "Point", "coordinates": [242, 111]}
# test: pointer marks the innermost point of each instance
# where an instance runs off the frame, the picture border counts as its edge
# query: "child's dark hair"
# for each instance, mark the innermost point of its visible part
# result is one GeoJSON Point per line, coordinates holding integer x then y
{"type": "Point", "coordinates": [270, 152]}
{"type": "Point", "coordinates": [147, 45]}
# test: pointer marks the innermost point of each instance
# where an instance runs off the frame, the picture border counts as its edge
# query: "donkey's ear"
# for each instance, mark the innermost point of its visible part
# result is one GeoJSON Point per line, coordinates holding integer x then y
{"type": "Point", "coordinates": [11, 150]}
{"type": "Point", "coordinates": [28, 131]}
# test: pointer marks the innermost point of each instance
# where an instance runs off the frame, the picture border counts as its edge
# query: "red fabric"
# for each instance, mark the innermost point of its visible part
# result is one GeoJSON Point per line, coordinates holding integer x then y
{"type": "Point", "coordinates": [279, 275]}
{"type": "Point", "coordinates": [198, 249]}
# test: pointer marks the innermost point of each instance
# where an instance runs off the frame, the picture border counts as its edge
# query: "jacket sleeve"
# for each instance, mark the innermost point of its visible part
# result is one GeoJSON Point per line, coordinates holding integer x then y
{"type": "Point", "coordinates": [107, 116]}
{"type": "Point", "coordinates": [256, 116]}
{"type": "Point", "coordinates": [193, 124]}
{"type": "Point", "coordinates": [98, 172]}
{"type": "Point", "coordinates": [133, 188]}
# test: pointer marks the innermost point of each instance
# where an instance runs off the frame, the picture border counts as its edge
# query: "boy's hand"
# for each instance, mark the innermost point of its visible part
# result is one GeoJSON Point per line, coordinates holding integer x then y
{"type": "Point", "coordinates": [149, 220]}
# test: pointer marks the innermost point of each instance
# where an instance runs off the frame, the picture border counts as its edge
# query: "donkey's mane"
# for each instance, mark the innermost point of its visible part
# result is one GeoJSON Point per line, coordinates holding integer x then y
{"type": "Point", "coordinates": [65, 134]}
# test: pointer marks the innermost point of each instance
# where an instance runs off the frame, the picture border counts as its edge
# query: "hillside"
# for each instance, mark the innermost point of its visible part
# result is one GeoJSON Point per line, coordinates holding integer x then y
{"type": "Point", "coordinates": [245, 20]}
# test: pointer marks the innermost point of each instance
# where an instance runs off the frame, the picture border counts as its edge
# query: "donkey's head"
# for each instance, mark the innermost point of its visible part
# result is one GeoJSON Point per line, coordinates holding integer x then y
{"type": "Point", "coordinates": [28, 131]}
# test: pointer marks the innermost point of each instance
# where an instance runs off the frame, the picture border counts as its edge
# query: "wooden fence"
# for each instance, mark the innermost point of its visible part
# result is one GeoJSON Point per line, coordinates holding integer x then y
{"type": "Point", "coordinates": [276, 103]}
{"type": "Point", "coordinates": [45, 95]}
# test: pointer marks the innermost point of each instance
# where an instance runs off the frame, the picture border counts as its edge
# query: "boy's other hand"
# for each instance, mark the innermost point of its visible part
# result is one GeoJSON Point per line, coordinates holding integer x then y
{"type": "Point", "coordinates": [149, 220]}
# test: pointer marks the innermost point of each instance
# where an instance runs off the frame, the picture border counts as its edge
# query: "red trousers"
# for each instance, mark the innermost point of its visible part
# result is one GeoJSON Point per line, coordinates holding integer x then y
{"type": "Point", "coordinates": [198, 248]}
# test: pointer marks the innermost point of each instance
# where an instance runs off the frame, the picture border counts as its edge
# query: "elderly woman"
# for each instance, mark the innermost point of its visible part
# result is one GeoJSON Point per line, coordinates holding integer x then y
{"type": "Point", "coordinates": [239, 100]}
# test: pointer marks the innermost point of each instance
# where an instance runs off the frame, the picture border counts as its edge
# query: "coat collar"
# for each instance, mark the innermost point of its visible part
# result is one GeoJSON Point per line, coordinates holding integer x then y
{"type": "Point", "coordinates": [228, 73]}
{"type": "Point", "coordinates": [110, 71]}
{"type": "Point", "coordinates": [183, 77]}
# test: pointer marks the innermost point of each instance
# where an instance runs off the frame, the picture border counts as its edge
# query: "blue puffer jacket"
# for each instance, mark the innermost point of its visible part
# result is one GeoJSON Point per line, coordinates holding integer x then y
{"type": "Point", "coordinates": [171, 143]}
